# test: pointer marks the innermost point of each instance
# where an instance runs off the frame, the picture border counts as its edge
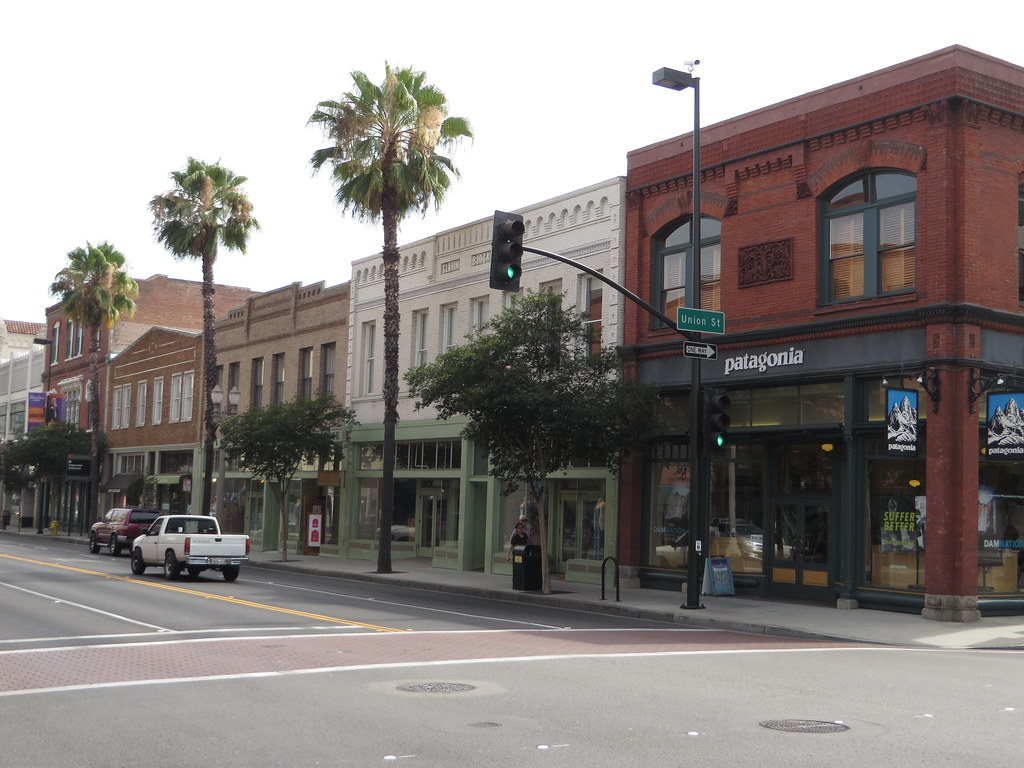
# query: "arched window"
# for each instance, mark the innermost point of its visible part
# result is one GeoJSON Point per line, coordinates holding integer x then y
{"type": "Point", "coordinates": [672, 252]}
{"type": "Point", "coordinates": [870, 226]}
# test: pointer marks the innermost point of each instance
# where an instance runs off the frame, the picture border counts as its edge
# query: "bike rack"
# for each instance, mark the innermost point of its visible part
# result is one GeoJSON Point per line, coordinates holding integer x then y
{"type": "Point", "coordinates": [616, 564]}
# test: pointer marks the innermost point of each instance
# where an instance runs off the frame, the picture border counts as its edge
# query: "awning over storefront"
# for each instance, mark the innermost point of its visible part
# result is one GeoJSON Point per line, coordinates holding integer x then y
{"type": "Point", "coordinates": [120, 483]}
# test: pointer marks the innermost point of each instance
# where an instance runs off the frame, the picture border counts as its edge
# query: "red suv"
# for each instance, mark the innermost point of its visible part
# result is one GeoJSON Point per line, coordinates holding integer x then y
{"type": "Point", "coordinates": [119, 527]}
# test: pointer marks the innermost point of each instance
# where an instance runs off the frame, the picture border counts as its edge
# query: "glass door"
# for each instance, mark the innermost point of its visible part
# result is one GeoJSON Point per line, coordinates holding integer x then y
{"type": "Point", "coordinates": [426, 521]}
{"type": "Point", "coordinates": [798, 548]}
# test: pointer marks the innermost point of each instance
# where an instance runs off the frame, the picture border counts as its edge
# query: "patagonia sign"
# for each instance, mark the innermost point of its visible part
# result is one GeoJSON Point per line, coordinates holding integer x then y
{"type": "Point", "coordinates": [763, 361]}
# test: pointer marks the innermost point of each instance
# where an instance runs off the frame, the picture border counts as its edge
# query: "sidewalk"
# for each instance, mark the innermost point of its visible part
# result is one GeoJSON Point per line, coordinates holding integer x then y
{"type": "Point", "coordinates": [785, 618]}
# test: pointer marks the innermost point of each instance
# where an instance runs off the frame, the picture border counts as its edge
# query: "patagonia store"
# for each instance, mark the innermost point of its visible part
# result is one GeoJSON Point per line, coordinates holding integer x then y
{"type": "Point", "coordinates": [868, 361]}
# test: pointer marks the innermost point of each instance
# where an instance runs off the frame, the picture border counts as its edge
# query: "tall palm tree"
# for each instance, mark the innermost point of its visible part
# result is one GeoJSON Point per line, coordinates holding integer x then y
{"type": "Point", "coordinates": [207, 208]}
{"type": "Point", "coordinates": [94, 289]}
{"type": "Point", "coordinates": [383, 155]}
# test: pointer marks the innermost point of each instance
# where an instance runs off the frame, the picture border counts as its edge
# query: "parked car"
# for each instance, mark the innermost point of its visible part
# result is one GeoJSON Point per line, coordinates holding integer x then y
{"type": "Point", "coordinates": [119, 527]}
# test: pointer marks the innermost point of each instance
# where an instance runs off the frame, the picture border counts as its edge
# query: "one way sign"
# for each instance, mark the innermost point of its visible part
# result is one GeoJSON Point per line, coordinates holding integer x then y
{"type": "Point", "coordinates": [703, 351]}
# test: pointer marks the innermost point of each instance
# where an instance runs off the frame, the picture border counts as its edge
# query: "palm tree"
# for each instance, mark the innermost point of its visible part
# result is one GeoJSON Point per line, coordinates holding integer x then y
{"type": "Point", "coordinates": [384, 161]}
{"type": "Point", "coordinates": [207, 208]}
{"type": "Point", "coordinates": [94, 289]}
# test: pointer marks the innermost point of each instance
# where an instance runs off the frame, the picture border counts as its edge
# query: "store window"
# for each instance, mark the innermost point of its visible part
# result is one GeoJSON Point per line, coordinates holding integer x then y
{"type": "Point", "coordinates": [870, 231]}
{"type": "Point", "coordinates": [736, 505]}
{"type": "Point", "coordinates": [672, 252]}
{"type": "Point", "coordinates": [369, 508]}
{"type": "Point", "coordinates": [737, 508]}
{"type": "Point", "coordinates": [895, 546]}
{"type": "Point", "coordinates": [1001, 527]}
{"type": "Point", "coordinates": [580, 518]}
{"type": "Point", "coordinates": [805, 404]}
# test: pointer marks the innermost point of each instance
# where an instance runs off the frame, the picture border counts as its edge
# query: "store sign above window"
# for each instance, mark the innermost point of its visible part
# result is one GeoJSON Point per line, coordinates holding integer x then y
{"type": "Point", "coordinates": [763, 361]}
{"type": "Point", "coordinates": [1005, 438]}
{"type": "Point", "coordinates": [901, 422]}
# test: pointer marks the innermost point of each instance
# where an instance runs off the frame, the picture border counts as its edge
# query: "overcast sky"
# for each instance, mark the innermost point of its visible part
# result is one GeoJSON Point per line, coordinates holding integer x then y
{"type": "Point", "coordinates": [102, 99]}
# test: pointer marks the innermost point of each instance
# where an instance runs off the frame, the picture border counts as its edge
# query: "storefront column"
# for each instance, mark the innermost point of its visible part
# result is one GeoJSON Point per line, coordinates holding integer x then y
{"type": "Point", "coordinates": [951, 543]}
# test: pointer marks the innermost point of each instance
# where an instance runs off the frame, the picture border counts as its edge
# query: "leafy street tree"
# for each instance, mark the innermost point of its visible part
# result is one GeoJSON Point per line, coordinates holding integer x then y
{"type": "Point", "coordinates": [206, 209]}
{"type": "Point", "coordinates": [94, 289]}
{"type": "Point", "coordinates": [384, 161]}
{"type": "Point", "coordinates": [539, 397]}
{"type": "Point", "coordinates": [42, 455]}
{"type": "Point", "coordinates": [272, 442]}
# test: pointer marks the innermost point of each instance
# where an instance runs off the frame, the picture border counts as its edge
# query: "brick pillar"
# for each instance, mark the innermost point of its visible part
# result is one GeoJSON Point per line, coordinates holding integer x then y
{"type": "Point", "coordinates": [631, 513]}
{"type": "Point", "coordinates": [951, 544]}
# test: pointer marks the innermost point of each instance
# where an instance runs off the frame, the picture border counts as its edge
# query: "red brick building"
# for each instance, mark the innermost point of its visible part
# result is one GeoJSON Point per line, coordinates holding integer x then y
{"type": "Point", "coordinates": [162, 301]}
{"type": "Point", "coordinates": [863, 242]}
{"type": "Point", "coordinates": [155, 424]}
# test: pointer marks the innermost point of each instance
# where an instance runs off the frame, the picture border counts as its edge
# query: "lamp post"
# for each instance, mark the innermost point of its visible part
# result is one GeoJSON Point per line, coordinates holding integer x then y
{"type": "Point", "coordinates": [216, 397]}
{"type": "Point", "coordinates": [699, 467]}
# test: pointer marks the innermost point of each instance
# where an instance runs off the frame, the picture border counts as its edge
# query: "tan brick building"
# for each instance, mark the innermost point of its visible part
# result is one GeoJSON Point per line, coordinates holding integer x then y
{"type": "Point", "coordinates": [276, 345]}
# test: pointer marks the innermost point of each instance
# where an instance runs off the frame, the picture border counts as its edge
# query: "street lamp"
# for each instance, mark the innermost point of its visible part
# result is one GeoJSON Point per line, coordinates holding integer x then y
{"type": "Point", "coordinates": [699, 468]}
{"type": "Point", "coordinates": [216, 397]}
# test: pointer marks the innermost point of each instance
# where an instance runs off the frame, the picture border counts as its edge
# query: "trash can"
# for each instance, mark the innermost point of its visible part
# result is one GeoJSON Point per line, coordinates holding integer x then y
{"type": "Point", "coordinates": [526, 567]}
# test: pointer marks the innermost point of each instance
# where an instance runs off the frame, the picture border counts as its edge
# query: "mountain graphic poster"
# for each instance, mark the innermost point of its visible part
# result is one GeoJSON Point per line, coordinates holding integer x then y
{"type": "Point", "coordinates": [1005, 426]}
{"type": "Point", "coordinates": [901, 422]}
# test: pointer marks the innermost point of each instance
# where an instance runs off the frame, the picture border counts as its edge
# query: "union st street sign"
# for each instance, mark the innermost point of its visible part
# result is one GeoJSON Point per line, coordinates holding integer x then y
{"type": "Point", "coordinates": [700, 320]}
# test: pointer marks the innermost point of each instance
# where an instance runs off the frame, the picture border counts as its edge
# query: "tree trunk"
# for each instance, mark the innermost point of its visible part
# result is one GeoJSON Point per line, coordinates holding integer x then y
{"type": "Point", "coordinates": [390, 383]}
{"type": "Point", "coordinates": [209, 382]}
{"type": "Point", "coordinates": [93, 389]}
{"type": "Point", "coordinates": [542, 523]}
{"type": "Point", "coordinates": [282, 499]}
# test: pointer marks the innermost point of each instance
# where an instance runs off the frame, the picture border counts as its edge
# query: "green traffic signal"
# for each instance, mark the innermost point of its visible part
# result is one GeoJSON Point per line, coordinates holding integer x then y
{"type": "Point", "coordinates": [716, 417]}
{"type": "Point", "coordinates": [507, 251]}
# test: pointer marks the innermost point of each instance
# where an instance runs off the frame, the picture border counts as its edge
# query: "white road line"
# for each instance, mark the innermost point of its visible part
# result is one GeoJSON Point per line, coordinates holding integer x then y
{"type": "Point", "coordinates": [441, 663]}
{"type": "Point", "coordinates": [84, 607]}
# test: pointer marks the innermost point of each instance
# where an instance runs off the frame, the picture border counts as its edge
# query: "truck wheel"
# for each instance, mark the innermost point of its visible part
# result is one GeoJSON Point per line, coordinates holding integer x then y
{"type": "Point", "coordinates": [115, 546]}
{"type": "Point", "coordinates": [230, 572]}
{"type": "Point", "coordinates": [194, 570]}
{"type": "Point", "coordinates": [138, 564]}
{"type": "Point", "coordinates": [172, 568]}
{"type": "Point", "coordinates": [94, 546]}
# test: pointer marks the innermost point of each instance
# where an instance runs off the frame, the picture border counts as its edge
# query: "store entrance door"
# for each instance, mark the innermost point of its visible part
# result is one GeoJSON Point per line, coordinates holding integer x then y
{"type": "Point", "coordinates": [797, 549]}
{"type": "Point", "coordinates": [428, 510]}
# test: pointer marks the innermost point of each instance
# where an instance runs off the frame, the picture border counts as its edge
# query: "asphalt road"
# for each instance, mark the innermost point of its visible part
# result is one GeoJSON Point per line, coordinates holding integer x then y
{"type": "Point", "coordinates": [98, 667]}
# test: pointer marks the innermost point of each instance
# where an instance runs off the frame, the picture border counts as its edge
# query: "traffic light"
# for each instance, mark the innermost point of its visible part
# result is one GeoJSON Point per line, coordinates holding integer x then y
{"type": "Point", "coordinates": [716, 418]}
{"type": "Point", "coordinates": [507, 251]}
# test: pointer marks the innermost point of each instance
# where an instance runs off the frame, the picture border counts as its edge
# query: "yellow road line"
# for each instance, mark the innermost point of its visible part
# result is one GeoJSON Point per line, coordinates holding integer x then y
{"type": "Point", "coordinates": [224, 598]}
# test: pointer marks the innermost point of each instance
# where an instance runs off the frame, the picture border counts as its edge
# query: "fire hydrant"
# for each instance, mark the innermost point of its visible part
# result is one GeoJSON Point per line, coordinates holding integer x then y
{"type": "Point", "coordinates": [54, 527]}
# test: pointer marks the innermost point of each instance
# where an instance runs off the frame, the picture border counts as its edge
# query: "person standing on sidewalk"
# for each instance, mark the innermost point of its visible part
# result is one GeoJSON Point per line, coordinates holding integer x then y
{"type": "Point", "coordinates": [519, 538]}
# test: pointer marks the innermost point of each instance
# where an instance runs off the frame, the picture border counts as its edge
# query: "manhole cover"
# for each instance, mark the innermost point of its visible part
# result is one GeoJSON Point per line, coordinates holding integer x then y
{"type": "Point", "coordinates": [437, 688]}
{"type": "Point", "coordinates": [805, 726]}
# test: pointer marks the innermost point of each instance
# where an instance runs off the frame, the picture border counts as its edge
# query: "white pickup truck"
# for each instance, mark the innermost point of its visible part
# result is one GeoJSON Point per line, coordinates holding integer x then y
{"type": "Point", "coordinates": [192, 542]}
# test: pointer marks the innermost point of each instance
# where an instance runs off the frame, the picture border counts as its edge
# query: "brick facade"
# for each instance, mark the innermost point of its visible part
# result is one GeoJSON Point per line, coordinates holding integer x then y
{"type": "Point", "coordinates": [953, 120]}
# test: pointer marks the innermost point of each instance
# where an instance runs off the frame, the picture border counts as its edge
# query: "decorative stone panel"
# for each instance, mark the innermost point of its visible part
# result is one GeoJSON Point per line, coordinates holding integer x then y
{"type": "Point", "coordinates": [766, 263]}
